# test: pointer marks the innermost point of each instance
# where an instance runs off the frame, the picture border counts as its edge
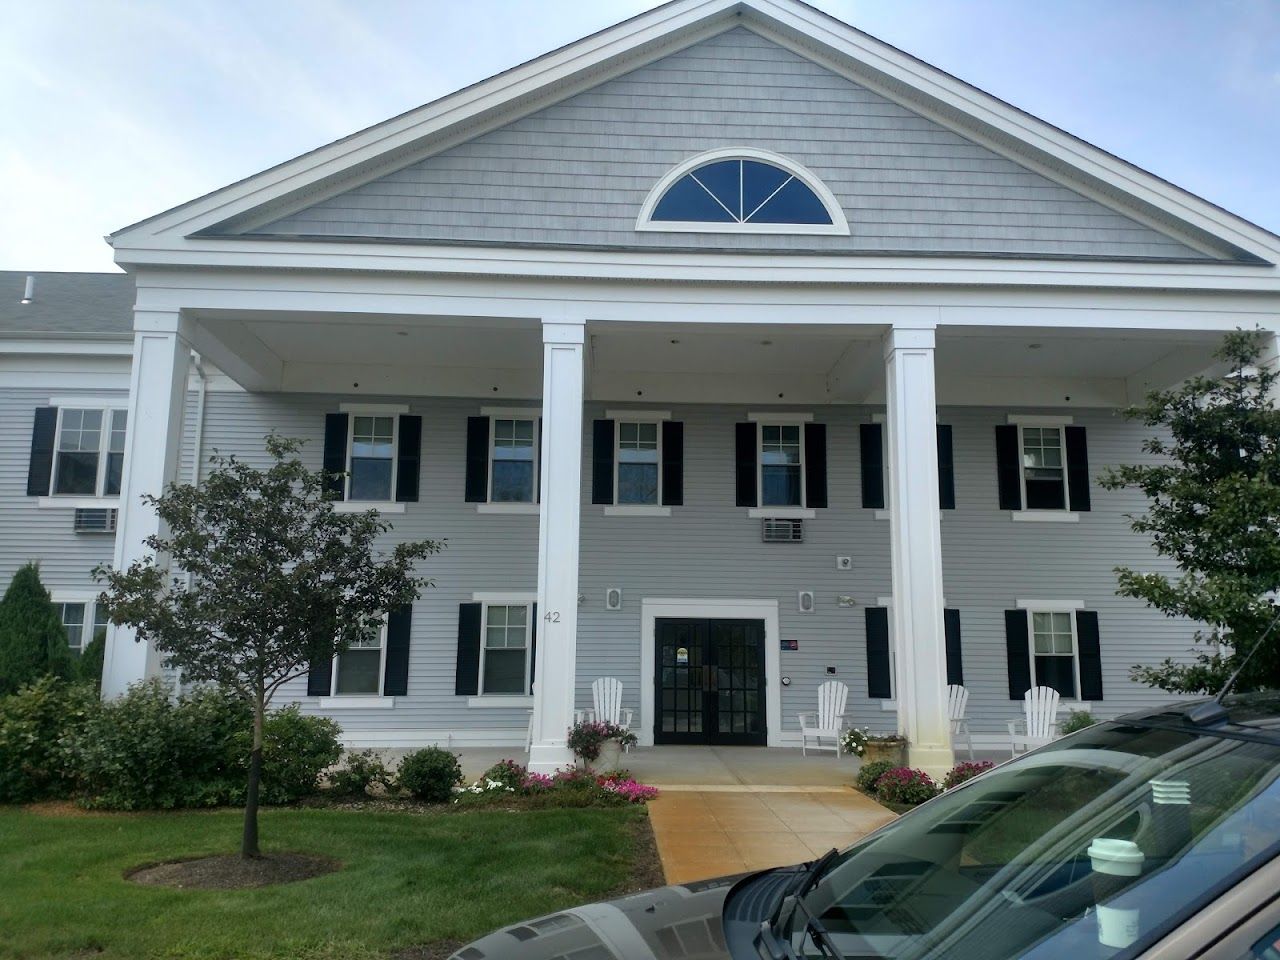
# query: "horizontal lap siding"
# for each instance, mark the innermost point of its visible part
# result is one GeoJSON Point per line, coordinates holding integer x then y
{"type": "Point", "coordinates": [577, 172]}
{"type": "Point", "coordinates": [710, 548]}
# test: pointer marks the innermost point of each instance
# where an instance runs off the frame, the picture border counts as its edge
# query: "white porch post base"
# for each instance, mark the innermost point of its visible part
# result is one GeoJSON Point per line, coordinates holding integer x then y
{"type": "Point", "coordinates": [558, 518]}
{"type": "Point", "coordinates": [161, 358]}
{"type": "Point", "coordinates": [916, 548]}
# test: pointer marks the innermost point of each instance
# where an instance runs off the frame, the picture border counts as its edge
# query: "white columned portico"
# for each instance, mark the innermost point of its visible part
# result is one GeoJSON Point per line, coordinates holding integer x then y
{"type": "Point", "coordinates": [558, 519]}
{"type": "Point", "coordinates": [916, 546]}
{"type": "Point", "coordinates": [157, 393]}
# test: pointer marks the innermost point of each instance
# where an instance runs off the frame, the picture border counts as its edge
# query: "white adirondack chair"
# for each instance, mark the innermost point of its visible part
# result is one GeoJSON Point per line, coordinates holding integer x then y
{"type": "Point", "coordinates": [828, 723]}
{"type": "Point", "coordinates": [606, 700]}
{"type": "Point", "coordinates": [1039, 724]}
{"type": "Point", "coordinates": [957, 704]}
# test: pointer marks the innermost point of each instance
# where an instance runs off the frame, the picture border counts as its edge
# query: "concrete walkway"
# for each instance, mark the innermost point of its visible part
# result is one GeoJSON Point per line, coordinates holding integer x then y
{"type": "Point", "coordinates": [714, 833]}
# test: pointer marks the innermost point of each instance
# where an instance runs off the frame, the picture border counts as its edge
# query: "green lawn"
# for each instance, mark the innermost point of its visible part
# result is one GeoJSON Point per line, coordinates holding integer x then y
{"type": "Point", "coordinates": [409, 880]}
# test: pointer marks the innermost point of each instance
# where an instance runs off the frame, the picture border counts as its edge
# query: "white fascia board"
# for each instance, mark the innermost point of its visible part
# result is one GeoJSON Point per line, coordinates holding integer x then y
{"type": "Point", "coordinates": [260, 253]}
{"type": "Point", "coordinates": [810, 33]}
{"type": "Point", "coordinates": [122, 347]}
{"type": "Point", "coordinates": [902, 70]}
{"type": "Point", "coordinates": [531, 85]}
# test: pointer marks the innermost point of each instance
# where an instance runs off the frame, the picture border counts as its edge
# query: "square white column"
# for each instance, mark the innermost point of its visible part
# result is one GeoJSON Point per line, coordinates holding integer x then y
{"type": "Point", "coordinates": [916, 547]}
{"type": "Point", "coordinates": [157, 393]}
{"type": "Point", "coordinates": [558, 520]}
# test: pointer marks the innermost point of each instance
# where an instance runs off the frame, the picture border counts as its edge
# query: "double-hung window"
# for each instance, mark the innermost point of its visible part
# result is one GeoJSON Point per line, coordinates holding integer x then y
{"type": "Point", "coordinates": [1044, 472]}
{"type": "Point", "coordinates": [513, 460]}
{"type": "Point", "coordinates": [638, 463]}
{"type": "Point", "coordinates": [504, 661]}
{"type": "Point", "coordinates": [371, 462]}
{"type": "Point", "coordinates": [89, 452]}
{"type": "Point", "coordinates": [1053, 651]}
{"type": "Point", "coordinates": [360, 668]}
{"type": "Point", "coordinates": [781, 465]}
{"type": "Point", "coordinates": [83, 621]}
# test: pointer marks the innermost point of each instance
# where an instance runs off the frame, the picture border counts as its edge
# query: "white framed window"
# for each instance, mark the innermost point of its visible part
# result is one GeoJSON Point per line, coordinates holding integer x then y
{"type": "Point", "coordinates": [1055, 659]}
{"type": "Point", "coordinates": [638, 463]}
{"type": "Point", "coordinates": [359, 670]}
{"type": "Point", "coordinates": [1042, 449]}
{"type": "Point", "coordinates": [506, 632]}
{"type": "Point", "coordinates": [89, 452]}
{"type": "Point", "coordinates": [371, 457]}
{"type": "Point", "coordinates": [83, 621]}
{"type": "Point", "coordinates": [513, 459]}
{"type": "Point", "coordinates": [781, 463]}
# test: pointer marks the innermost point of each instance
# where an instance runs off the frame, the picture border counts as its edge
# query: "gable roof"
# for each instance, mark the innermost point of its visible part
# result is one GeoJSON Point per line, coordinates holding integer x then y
{"type": "Point", "coordinates": [81, 306]}
{"type": "Point", "coordinates": [924, 89]}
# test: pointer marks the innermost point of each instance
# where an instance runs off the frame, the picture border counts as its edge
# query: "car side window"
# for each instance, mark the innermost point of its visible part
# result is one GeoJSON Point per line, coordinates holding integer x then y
{"type": "Point", "coordinates": [1268, 948]}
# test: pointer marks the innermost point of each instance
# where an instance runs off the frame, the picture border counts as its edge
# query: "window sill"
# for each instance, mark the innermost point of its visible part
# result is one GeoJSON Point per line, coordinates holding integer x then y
{"type": "Point", "coordinates": [516, 508]}
{"type": "Point", "coordinates": [68, 502]}
{"type": "Point", "coordinates": [637, 510]}
{"type": "Point", "coordinates": [360, 506]}
{"type": "Point", "coordinates": [495, 701]}
{"type": "Point", "coordinates": [365, 701]}
{"type": "Point", "coordinates": [781, 513]}
{"type": "Point", "coordinates": [1044, 516]}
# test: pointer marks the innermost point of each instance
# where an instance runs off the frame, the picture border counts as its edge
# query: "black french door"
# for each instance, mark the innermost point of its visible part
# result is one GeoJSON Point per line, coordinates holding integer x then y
{"type": "Point", "coordinates": [709, 683]}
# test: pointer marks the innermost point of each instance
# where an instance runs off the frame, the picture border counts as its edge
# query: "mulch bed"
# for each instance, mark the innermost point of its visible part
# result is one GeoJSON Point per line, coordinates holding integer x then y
{"type": "Point", "coordinates": [232, 872]}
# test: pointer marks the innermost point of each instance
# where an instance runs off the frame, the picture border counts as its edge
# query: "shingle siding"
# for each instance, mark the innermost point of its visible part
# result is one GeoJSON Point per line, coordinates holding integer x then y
{"type": "Point", "coordinates": [576, 173]}
{"type": "Point", "coordinates": [710, 548]}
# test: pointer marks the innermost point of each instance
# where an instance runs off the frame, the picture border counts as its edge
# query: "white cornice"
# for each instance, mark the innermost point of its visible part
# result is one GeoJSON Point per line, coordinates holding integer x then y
{"type": "Point", "coordinates": [905, 79]}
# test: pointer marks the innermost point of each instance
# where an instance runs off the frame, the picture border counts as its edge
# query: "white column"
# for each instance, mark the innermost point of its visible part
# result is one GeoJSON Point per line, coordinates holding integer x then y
{"type": "Point", "coordinates": [558, 517]}
{"type": "Point", "coordinates": [157, 392]}
{"type": "Point", "coordinates": [916, 547]}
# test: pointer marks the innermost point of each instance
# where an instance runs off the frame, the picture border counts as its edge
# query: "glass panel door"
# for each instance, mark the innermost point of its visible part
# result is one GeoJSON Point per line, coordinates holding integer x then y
{"type": "Point", "coordinates": [709, 686]}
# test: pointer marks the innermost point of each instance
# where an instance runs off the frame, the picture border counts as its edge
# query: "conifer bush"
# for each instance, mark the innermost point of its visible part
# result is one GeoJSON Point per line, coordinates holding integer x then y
{"type": "Point", "coordinates": [33, 643]}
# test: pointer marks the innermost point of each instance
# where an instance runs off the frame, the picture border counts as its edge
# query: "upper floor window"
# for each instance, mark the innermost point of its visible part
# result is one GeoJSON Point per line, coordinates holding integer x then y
{"type": "Point", "coordinates": [742, 190]}
{"type": "Point", "coordinates": [371, 473]}
{"type": "Point", "coordinates": [1044, 468]}
{"type": "Point", "coordinates": [781, 465]}
{"type": "Point", "coordinates": [89, 452]}
{"type": "Point", "coordinates": [514, 464]}
{"type": "Point", "coordinates": [638, 461]}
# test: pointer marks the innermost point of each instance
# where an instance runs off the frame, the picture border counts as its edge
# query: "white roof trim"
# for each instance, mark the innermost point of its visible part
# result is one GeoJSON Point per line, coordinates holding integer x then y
{"type": "Point", "coordinates": [561, 73]}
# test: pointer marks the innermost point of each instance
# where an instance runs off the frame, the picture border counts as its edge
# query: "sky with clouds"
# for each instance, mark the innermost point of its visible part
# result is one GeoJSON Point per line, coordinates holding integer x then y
{"type": "Point", "coordinates": [114, 110]}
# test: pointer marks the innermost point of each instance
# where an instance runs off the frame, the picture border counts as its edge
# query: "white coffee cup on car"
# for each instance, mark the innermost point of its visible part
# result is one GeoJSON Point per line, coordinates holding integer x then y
{"type": "Point", "coordinates": [1115, 864]}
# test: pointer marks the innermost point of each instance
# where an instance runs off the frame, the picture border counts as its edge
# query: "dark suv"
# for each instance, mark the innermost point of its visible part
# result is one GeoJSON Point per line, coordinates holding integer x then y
{"type": "Point", "coordinates": [1152, 836]}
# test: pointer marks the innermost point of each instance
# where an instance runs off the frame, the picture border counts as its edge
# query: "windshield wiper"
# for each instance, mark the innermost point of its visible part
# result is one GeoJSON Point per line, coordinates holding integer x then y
{"type": "Point", "coordinates": [812, 874]}
{"type": "Point", "coordinates": [789, 903]}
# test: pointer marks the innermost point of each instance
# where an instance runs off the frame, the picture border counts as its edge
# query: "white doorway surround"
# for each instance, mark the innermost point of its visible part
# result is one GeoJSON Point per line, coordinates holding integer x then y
{"type": "Point", "coordinates": [727, 609]}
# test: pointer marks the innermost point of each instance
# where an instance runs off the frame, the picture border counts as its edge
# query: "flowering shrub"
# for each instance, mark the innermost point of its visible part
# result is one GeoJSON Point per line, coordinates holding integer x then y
{"type": "Point", "coordinates": [568, 788]}
{"type": "Point", "coordinates": [485, 785]}
{"type": "Point", "coordinates": [628, 789]}
{"type": "Point", "coordinates": [585, 739]}
{"type": "Point", "coordinates": [871, 772]}
{"type": "Point", "coordinates": [965, 771]}
{"type": "Point", "coordinates": [536, 783]}
{"type": "Point", "coordinates": [906, 786]}
{"type": "Point", "coordinates": [509, 773]}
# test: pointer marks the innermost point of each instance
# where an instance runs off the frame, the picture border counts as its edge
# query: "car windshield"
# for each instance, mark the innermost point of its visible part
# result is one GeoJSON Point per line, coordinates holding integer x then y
{"type": "Point", "coordinates": [1094, 846]}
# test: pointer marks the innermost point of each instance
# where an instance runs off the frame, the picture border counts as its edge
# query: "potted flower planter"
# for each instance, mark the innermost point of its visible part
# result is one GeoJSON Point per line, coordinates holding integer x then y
{"type": "Point", "coordinates": [610, 756]}
{"type": "Point", "coordinates": [892, 749]}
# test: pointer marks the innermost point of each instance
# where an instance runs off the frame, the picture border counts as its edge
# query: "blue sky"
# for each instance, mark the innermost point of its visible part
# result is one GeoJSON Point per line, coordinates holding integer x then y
{"type": "Point", "coordinates": [116, 109]}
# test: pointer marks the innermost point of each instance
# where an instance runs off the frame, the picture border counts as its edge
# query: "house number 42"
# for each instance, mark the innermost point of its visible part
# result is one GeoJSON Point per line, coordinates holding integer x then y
{"type": "Point", "coordinates": [552, 616]}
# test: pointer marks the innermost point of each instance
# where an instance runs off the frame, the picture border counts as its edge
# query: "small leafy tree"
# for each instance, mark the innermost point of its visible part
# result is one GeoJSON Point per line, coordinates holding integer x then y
{"type": "Point", "coordinates": [278, 580]}
{"type": "Point", "coordinates": [1215, 510]}
{"type": "Point", "coordinates": [33, 643]}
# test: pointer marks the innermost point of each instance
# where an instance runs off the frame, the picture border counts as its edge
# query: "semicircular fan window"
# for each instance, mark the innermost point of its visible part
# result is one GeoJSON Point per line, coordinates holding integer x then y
{"type": "Point", "coordinates": [740, 191]}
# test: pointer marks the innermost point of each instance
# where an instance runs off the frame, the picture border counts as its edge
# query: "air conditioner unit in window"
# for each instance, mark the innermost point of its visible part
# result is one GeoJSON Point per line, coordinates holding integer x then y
{"type": "Point", "coordinates": [778, 530]}
{"type": "Point", "coordinates": [95, 520]}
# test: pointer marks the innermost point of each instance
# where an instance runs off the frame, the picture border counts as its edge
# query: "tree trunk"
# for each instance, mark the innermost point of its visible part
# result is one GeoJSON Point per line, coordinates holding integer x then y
{"type": "Point", "coordinates": [249, 842]}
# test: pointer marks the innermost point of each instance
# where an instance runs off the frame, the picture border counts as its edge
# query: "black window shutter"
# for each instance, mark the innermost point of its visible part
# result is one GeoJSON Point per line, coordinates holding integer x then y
{"type": "Point", "coordinates": [320, 677]}
{"type": "Point", "coordinates": [746, 435]}
{"type": "Point", "coordinates": [467, 674]}
{"type": "Point", "coordinates": [955, 659]}
{"type": "Point", "coordinates": [1090, 655]}
{"type": "Point", "coordinates": [946, 469]}
{"type": "Point", "coordinates": [879, 682]}
{"type": "Point", "coordinates": [409, 459]}
{"type": "Point", "coordinates": [477, 459]}
{"type": "Point", "coordinates": [672, 463]}
{"type": "Point", "coordinates": [537, 479]}
{"type": "Point", "coordinates": [1077, 468]}
{"type": "Point", "coordinates": [1008, 468]}
{"type": "Point", "coordinates": [1018, 653]}
{"type": "Point", "coordinates": [815, 467]}
{"type": "Point", "coordinates": [602, 461]}
{"type": "Point", "coordinates": [395, 678]}
{"type": "Point", "coordinates": [871, 452]}
{"type": "Point", "coordinates": [40, 466]}
{"type": "Point", "coordinates": [335, 454]}
{"type": "Point", "coordinates": [533, 643]}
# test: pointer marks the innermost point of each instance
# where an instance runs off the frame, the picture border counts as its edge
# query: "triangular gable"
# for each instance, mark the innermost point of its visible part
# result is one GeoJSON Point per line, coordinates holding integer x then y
{"type": "Point", "coordinates": [577, 173]}
{"type": "Point", "coordinates": [313, 178]}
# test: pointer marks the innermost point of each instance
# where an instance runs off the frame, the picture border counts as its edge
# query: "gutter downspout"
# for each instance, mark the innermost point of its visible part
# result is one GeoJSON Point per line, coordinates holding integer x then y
{"type": "Point", "coordinates": [198, 440]}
